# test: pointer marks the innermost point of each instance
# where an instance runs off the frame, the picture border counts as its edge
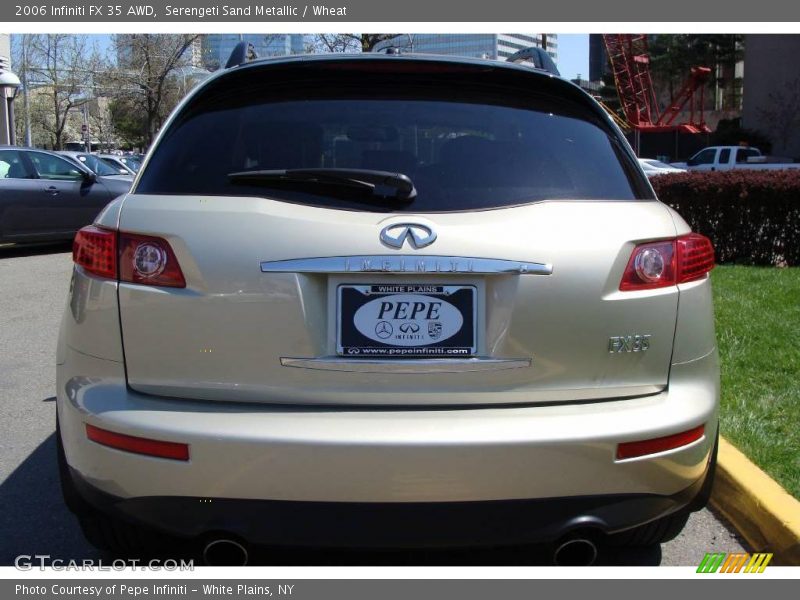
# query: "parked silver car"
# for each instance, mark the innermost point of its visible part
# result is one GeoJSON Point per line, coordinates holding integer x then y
{"type": "Point", "coordinates": [406, 301]}
{"type": "Point", "coordinates": [121, 163]}
{"type": "Point", "coordinates": [99, 166]}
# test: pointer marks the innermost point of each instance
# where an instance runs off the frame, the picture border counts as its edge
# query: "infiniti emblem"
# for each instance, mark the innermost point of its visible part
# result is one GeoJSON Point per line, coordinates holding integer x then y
{"type": "Point", "coordinates": [417, 235]}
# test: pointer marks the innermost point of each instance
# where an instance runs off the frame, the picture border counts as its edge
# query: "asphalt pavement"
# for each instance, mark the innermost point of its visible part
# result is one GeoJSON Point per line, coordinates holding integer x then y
{"type": "Point", "coordinates": [33, 519]}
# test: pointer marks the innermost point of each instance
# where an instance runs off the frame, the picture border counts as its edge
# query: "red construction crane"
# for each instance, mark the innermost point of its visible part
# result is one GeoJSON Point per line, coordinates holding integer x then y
{"type": "Point", "coordinates": [630, 65]}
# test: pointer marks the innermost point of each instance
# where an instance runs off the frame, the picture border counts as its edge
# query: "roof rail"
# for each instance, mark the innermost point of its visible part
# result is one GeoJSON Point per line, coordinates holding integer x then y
{"type": "Point", "coordinates": [243, 53]}
{"type": "Point", "coordinates": [538, 56]}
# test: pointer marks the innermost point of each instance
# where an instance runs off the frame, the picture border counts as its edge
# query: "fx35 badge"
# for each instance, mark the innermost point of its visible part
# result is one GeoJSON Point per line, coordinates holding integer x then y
{"type": "Point", "coordinates": [629, 343]}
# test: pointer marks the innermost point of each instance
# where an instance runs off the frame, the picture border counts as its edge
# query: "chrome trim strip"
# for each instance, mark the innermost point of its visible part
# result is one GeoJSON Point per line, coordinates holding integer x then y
{"type": "Point", "coordinates": [406, 264]}
{"type": "Point", "coordinates": [409, 365]}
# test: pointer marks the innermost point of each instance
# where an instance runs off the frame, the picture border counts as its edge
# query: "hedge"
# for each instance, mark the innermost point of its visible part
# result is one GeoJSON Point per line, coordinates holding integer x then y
{"type": "Point", "coordinates": [751, 216]}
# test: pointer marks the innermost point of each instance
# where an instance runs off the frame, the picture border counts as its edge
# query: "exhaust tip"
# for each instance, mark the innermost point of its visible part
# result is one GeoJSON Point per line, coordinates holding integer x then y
{"type": "Point", "coordinates": [225, 553]}
{"type": "Point", "coordinates": [575, 552]}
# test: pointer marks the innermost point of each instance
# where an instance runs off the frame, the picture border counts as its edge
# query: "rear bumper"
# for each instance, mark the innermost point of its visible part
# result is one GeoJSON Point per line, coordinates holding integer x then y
{"type": "Point", "coordinates": [388, 525]}
{"type": "Point", "coordinates": [545, 467]}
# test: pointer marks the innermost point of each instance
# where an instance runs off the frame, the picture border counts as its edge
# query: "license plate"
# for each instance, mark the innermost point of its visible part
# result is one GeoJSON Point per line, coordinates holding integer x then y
{"type": "Point", "coordinates": [406, 320]}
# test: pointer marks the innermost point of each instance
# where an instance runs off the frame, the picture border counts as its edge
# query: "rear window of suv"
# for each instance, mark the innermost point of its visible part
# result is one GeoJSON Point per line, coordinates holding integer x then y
{"type": "Point", "coordinates": [466, 143]}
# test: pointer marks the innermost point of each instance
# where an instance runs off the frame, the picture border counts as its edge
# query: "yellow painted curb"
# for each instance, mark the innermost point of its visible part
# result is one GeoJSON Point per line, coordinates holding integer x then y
{"type": "Point", "coordinates": [760, 509]}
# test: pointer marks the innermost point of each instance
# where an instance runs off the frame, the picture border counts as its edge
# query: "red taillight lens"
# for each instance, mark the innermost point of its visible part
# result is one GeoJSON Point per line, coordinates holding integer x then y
{"type": "Point", "coordinates": [662, 444]}
{"type": "Point", "coordinates": [148, 260]}
{"type": "Point", "coordinates": [661, 264]}
{"type": "Point", "coordinates": [137, 445]}
{"type": "Point", "coordinates": [695, 257]}
{"type": "Point", "coordinates": [95, 250]}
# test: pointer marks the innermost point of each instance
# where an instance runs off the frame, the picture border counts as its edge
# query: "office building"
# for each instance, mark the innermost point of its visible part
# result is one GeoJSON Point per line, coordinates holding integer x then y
{"type": "Point", "coordinates": [9, 85]}
{"type": "Point", "coordinates": [771, 103]}
{"type": "Point", "coordinates": [476, 45]}
{"type": "Point", "coordinates": [5, 50]}
{"type": "Point", "coordinates": [598, 58]}
{"type": "Point", "coordinates": [217, 47]}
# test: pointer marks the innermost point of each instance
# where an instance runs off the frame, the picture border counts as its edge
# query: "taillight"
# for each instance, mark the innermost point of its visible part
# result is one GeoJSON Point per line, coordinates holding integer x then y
{"type": "Point", "coordinates": [148, 260]}
{"type": "Point", "coordinates": [129, 257]}
{"type": "Point", "coordinates": [650, 266]}
{"type": "Point", "coordinates": [695, 257]}
{"type": "Point", "coordinates": [661, 264]}
{"type": "Point", "coordinates": [95, 250]}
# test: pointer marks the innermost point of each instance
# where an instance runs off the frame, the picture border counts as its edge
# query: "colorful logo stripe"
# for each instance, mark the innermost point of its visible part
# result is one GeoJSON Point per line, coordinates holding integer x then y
{"type": "Point", "coordinates": [711, 562]}
{"type": "Point", "coordinates": [734, 563]}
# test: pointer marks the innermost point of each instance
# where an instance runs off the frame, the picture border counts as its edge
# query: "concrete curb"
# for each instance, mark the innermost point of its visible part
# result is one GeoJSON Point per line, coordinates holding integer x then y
{"type": "Point", "coordinates": [761, 510]}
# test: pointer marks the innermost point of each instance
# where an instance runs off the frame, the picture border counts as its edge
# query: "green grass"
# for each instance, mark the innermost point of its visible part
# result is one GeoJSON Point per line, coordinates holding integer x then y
{"type": "Point", "coordinates": [758, 331]}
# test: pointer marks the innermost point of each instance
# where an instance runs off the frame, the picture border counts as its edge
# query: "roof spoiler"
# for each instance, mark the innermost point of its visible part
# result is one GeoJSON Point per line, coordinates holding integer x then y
{"type": "Point", "coordinates": [243, 53]}
{"type": "Point", "coordinates": [538, 56]}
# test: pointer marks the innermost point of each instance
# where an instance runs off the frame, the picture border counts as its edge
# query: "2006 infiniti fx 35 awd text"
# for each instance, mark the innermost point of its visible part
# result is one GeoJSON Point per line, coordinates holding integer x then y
{"type": "Point", "coordinates": [406, 301]}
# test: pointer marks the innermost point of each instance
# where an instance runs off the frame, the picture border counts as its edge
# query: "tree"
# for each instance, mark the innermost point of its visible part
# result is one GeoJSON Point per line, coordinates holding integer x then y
{"type": "Point", "coordinates": [59, 73]}
{"type": "Point", "coordinates": [673, 55]}
{"type": "Point", "coordinates": [609, 100]}
{"type": "Point", "coordinates": [670, 60]}
{"type": "Point", "coordinates": [128, 122]}
{"type": "Point", "coordinates": [41, 121]}
{"type": "Point", "coordinates": [609, 95]}
{"type": "Point", "coordinates": [729, 132]}
{"type": "Point", "coordinates": [723, 51]}
{"type": "Point", "coordinates": [101, 123]}
{"type": "Point", "coordinates": [351, 42]}
{"type": "Point", "coordinates": [148, 75]}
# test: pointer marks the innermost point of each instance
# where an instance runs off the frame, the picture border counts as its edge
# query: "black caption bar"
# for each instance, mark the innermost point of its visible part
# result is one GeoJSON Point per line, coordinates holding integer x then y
{"type": "Point", "coordinates": [454, 11]}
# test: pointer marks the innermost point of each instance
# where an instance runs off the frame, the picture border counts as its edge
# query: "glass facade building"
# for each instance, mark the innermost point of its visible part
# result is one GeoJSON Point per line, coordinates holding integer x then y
{"type": "Point", "coordinates": [598, 59]}
{"type": "Point", "coordinates": [476, 45]}
{"type": "Point", "coordinates": [5, 49]}
{"type": "Point", "coordinates": [217, 47]}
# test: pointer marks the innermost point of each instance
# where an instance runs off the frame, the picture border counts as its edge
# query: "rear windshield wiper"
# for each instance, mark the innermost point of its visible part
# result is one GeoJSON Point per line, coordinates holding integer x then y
{"type": "Point", "coordinates": [380, 183]}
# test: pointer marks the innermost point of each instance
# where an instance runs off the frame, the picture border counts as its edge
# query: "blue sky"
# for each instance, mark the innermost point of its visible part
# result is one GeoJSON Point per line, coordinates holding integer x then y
{"type": "Point", "coordinates": [573, 55]}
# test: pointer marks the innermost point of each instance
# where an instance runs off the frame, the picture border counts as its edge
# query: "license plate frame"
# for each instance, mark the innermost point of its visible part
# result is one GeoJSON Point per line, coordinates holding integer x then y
{"type": "Point", "coordinates": [438, 332]}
